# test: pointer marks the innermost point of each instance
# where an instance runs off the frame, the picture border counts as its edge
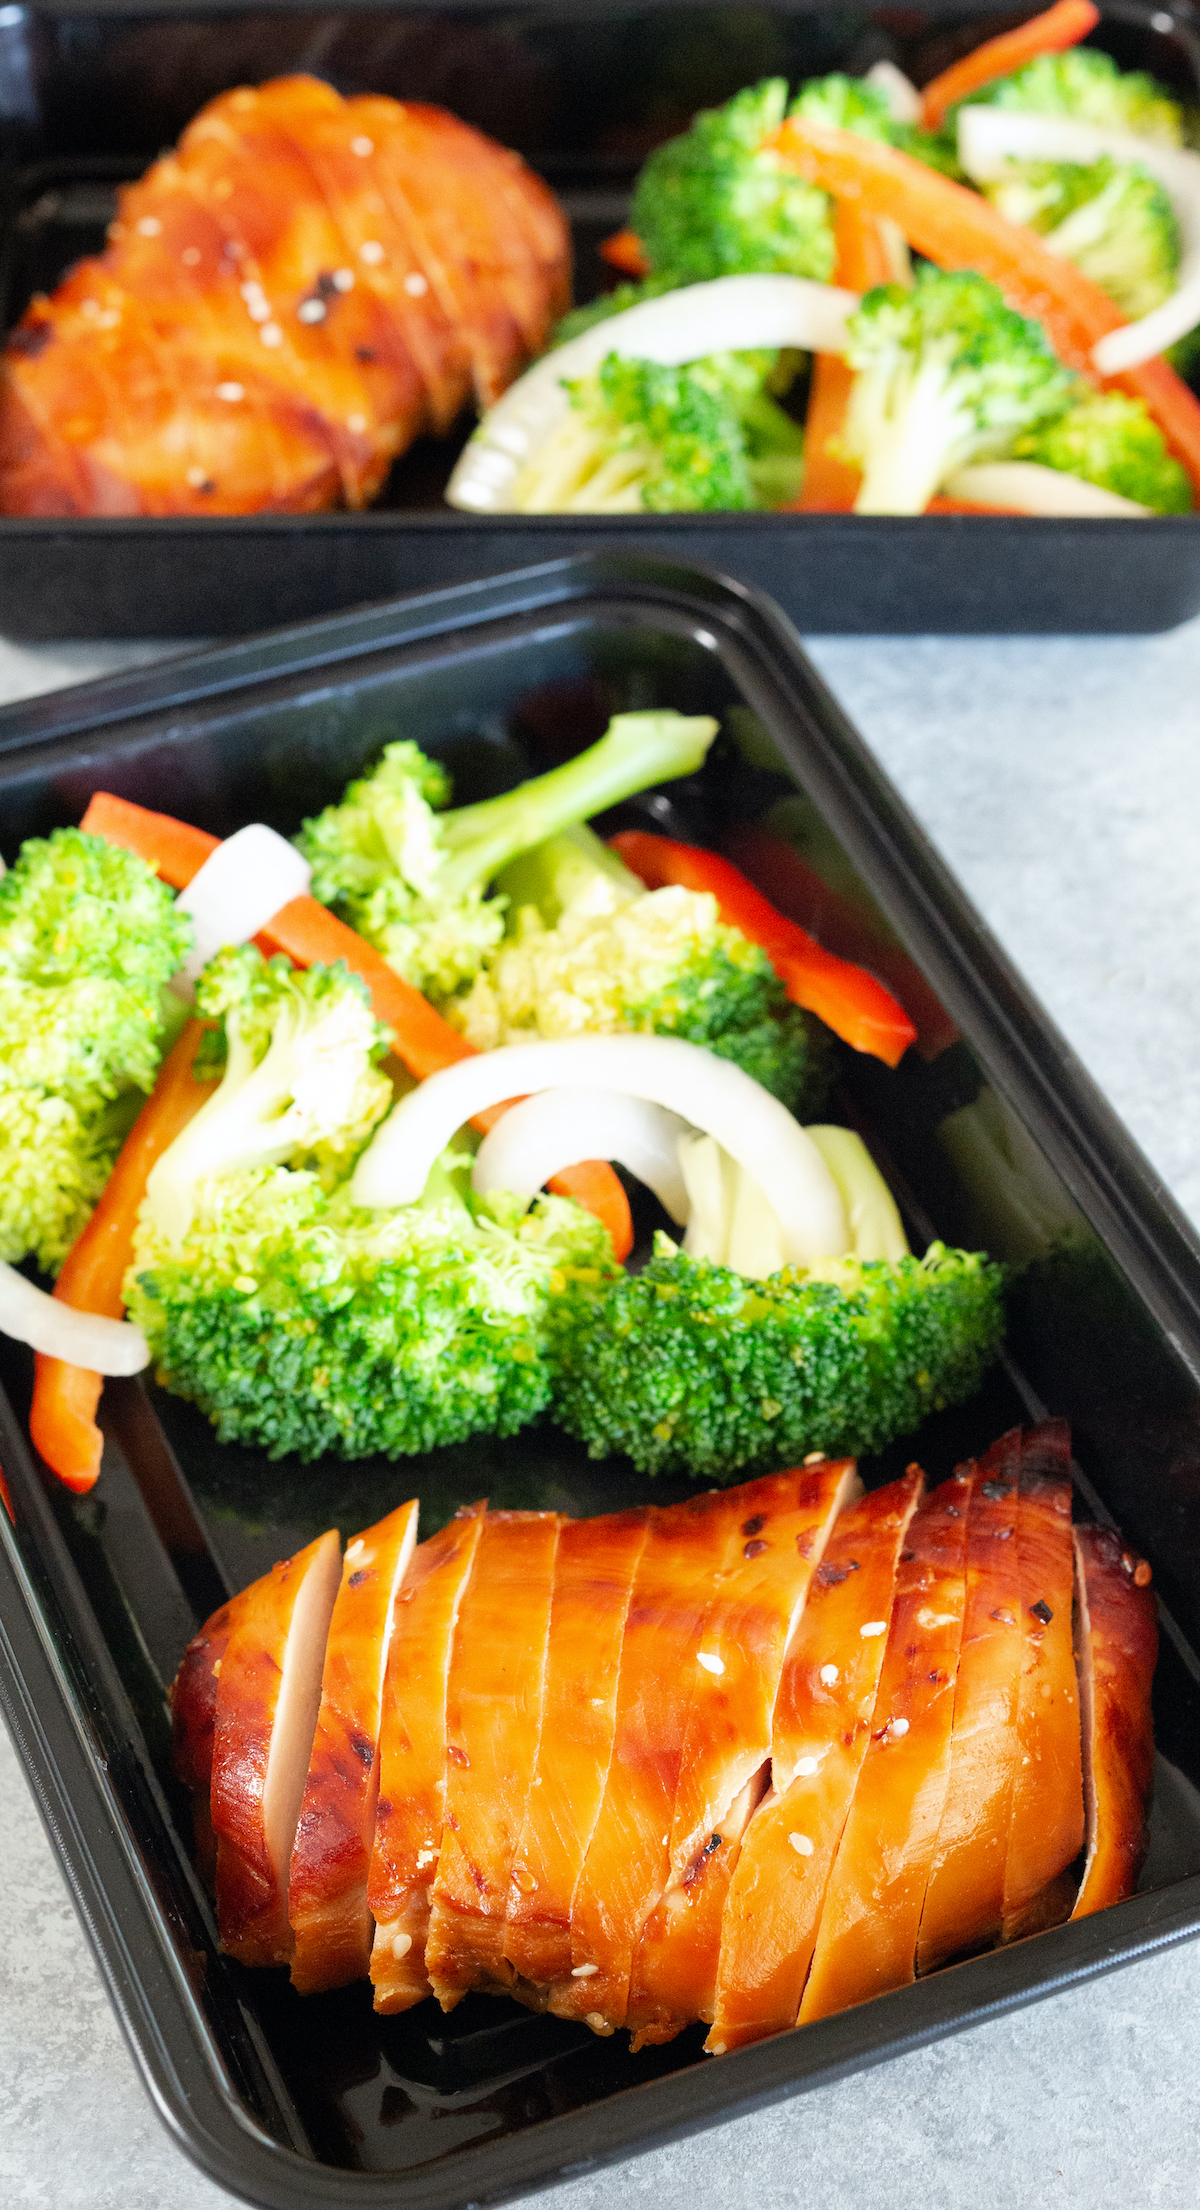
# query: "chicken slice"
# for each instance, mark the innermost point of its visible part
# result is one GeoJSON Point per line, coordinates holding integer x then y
{"type": "Point", "coordinates": [867, 1939]}
{"type": "Point", "coordinates": [494, 1705]}
{"type": "Point", "coordinates": [267, 1698]}
{"type": "Point", "coordinates": [623, 1870]}
{"type": "Point", "coordinates": [964, 1902]}
{"type": "Point", "coordinates": [331, 1857]}
{"type": "Point", "coordinates": [822, 1726]}
{"type": "Point", "coordinates": [593, 1580]}
{"type": "Point", "coordinates": [1046, 1827]}
{"type": "Point", "coordinates": [410, 1812]}
{"type": "Point", "coordinates": [193, 1716]}
{"type": "Point", "coordinates": [750, 1621]}
{"type": "Point", "coordinates": [1117, 1647]}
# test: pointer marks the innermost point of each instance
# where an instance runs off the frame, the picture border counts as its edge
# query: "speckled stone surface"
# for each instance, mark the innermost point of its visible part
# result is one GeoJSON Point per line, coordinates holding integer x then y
{"type": "Point", "coordinates": [1061, 779]}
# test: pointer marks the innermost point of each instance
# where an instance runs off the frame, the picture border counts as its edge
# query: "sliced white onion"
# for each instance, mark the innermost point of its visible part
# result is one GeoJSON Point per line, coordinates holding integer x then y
{"type": "Point", "coordinates": [732, 313]}
{"type": "Point", "coordinates": [711, 1093]}
{"type": "Point", "coordinates": [990, 137]}
{"type": "Point", "coordinates": [732, 1220]}
{"type": "Point", "coordinates": [901, 94]}
{"type": "Point", "coordinates": [1032, 489]}
{"type": "Point", "coordinates": [876, 1229]}
{"type": "Point", "coordinates": [558, 1128]}
{"type": "Point", "coordinates": [103, 1346]}
{"type": "Point", "coordinates": [239, 888]}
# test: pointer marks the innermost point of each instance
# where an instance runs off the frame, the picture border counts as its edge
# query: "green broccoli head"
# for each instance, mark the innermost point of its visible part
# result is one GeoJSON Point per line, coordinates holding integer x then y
{"type": "Point", "coordinates": [1088, 87]}
{"type": "Point", "coordinates": [299, 1323]}
{"type": "Point", "coordinates": [641, 438]}
{"type": "Point", "coordinates": [716, 201]}
{"type": "Point", "coordinates": [689, 1368]}
{"type": "Point", "coordinates": [616, 302]}
{"type": "Point", "coordinates": [413, 881]}
{"type": "Point", "coordinates": [1112, 219]}
{"type": "Point", "coordinates": [1112, 441]}
{"type": "Point", "coordinates": [947, 373]}
{"type": "Point", "coordinates": [616, 957]}
{"type": "Point", "coordinates": [54, 1163]}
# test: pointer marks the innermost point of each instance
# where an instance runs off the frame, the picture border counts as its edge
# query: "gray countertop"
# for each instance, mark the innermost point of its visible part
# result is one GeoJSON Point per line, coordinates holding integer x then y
{"type": "Point", "coordinates": [1061, 779]}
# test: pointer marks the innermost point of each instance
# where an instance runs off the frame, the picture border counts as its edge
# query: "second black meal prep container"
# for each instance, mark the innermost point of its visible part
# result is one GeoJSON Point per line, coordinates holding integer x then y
{"type": "Point", "coordinates": [296, 2102]}
{"type": "Point", "coordinates": [90, 93]}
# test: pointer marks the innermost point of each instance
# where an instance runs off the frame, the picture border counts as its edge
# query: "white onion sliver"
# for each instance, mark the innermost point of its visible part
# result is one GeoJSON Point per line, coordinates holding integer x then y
{"type": "Point", "coordinates": [241, 885]}
{"type": "Point", "coordinates": [901, 94]}
{"type": "Point", "coordinates": [558, 1128]}
{"type": "Point", "coordinates": [1026, 485]}
{"type": "Point", "coordinates": [87, 1339]}
{"type": "Point", "coordinates": [685, 325]}
{"type": "Point", "coordinates": [711, 1093]}
{"type": "Point", "coordinates": [990, 137]}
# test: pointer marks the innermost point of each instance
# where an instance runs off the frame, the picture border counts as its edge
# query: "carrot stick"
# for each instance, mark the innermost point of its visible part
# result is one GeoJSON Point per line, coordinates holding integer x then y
{"type": "Point", "coordinates": [62, 1421]}
{"type": "Point", "coordinates": [830, 483]}
{"type": "Point", "coordinates": [968, 506]}
{"type": "Point", "coordinates": [848, 999]}
{"type": "Point", "coordinates": [959, 229]}
{"type": "Point", "coordinates": [624, 251]}
{"type": "Point", "coordinates": [1061, 26]}
{"type": "Point", "coordinates": [311, 935]}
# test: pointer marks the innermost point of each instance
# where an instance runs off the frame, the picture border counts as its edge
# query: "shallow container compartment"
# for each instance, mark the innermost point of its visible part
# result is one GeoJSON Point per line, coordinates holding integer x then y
{"type": "Point", "coordinates": [89, 96]}
{"type": "Point", "coordinates": [316, 2101]}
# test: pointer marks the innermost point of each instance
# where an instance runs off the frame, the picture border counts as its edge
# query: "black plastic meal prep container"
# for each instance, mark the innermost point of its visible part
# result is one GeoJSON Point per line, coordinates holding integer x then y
{"type": "Point", "coordinates": [297, 2101]}
{"type": "Point", "coordinates": [583, 88]}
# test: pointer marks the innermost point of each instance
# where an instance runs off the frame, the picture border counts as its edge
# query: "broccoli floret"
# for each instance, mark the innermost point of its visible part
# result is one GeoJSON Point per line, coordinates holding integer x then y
{"type": "Point", "coordinates": [716, 201]}
{"type": "Point", "coordinates": [413, 881]}
{"type": "Point", "coordinates": [947, 374]}
{"type": "Point", "coordinates": [88, 939]}
{"type": "Point", "coordinates": [690, 1368]}
{"type": "Point", "coordinates": [616, 302]}
{"type": "Point", "coordinates": [1088, 86]}
{"type": "Point", "coordinates": [593, 953]}
{"type": "Point", "coordinates": [1112, 441]}
{"type": "Point", "coordinates": [643, 438]}
{"type": "Point", "coordinates": [300, 1323]}
{"type": "Point", "coordinates": [1112, 219]}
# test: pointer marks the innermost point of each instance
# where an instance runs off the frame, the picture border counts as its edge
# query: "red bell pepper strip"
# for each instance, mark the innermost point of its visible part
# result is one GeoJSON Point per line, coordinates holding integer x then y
{"type": "Point", "coordinates": [624, 251]}
{"type": "Point", "coordinates": [849, 1000]}
{"type": "Point", "coordinates": [1061, 26]}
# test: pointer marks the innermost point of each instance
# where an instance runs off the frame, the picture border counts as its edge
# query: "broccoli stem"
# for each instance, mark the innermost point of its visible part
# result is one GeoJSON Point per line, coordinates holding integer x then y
{"type": "Point", "coordinates": [565, 871]}
{"type": "Point", "coordinates": [635, 751]}
{"type": "Point", "coordinates": [917, 445]}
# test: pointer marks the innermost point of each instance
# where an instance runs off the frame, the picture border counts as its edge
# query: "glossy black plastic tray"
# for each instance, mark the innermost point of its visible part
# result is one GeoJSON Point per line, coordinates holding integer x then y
{"type": "Point", "coordinates": [89, 93]}
{"type": "Point", "coordinates": [303, 2102]}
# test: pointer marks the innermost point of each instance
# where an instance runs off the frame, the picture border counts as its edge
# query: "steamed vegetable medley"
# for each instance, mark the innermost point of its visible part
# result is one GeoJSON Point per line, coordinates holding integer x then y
{"type": "Point", "coordinates": [976, 297]}
{"type": "Point", "coordinates": [372, 1202]}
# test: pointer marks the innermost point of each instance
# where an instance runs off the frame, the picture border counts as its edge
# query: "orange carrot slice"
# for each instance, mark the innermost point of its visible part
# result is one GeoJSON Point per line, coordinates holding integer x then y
{"type": "Point", "coordinates": [624, 251]}
{"type": "Point", "coordinates": [1061, 26]}
{"type": "Point", "coordinates": [830, 483]}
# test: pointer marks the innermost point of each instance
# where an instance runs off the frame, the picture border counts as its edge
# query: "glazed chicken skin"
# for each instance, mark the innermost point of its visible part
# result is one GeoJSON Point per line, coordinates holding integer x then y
{"type": "Point", "coordinates": [748, 1759]}
{"type": "Point", "coordinates": [304, 286]}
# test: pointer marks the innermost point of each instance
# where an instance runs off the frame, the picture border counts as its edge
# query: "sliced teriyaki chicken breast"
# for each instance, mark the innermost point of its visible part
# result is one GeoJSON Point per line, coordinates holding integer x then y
{"type": "Point", "coordinates": [964, 1902]}
{"type": "Point", "coordinates": [494, 1701]}
{"type": "Point", "coordinates": [750, 1621]}
{"type": "Point", "coordinates": [867, 1941]}
{"type": "Point", "coordinates": [410, 1812]}
{"type": "Point", "coordinates": [267, 1698]}
{"type": "Point", "coordinates": [821, 1728]}
{"type": "Point", "coordinates": [1117, 1644]}
{"type": "Point", "coordinates": [1046, 1827]}
{"type": "Point", "coordinates": [624, 1867]}
{"type": "Point", "coordinates": [331, 1857]}
{"type": "Point", "coordinates": [594, 1570]}
{"type": "Point", "coordinates": [193, 1714]}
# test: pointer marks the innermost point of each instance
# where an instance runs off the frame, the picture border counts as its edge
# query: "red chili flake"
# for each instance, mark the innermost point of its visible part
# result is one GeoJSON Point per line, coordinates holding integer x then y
{"type": "Point", "coordinates": [356, 1579]}
{"type": "Point", "coordinates": [907, 1556]}
{"type": "Point", "coordinates": [754, 1549]}
{"type": "Point", "coordinates": [754, 1526]}
{"type": "Point", "coordinates": [364, 1750]}
{"type": "Point", "coordinates": [365, 353]}
{"type": "Point", "coordinates": [804, 1544]}
{"type": "Point", "coordinates": [831, 1576]}
{"type": "Point", "coordinates": [1041, 1610]}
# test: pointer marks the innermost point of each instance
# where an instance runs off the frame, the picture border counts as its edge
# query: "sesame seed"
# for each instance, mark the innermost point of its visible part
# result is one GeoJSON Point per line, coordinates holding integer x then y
{"type": "Point", "coordinates": [355, 1549]}
{"type": "Point", "coordinates": [371, 252]}
{"type": "Point", "coordinates": [362, 146]}
{"type": "Point", "coordinates": [258, 310]}
{"type": "Point", "coordinates": [270, 334]}
{"type": "Point", "coordinates": [710, 1663]}
{"type": "Point", "coordinates": [89, 306]}
{"type": "Point", "coordinates": [597, 2021]}
{"type": "Point", "coordinates": [357, 424]}
{"type": "Point", "coordinates": [426, 1857]}
{"type": "Point", "coordinates": [897, 1726]}
{"type": "Point", "coordinates": [717, 2048]}
{"type": "Point", "coordinates": [871, 1628]}
{"type": "Point", "coordinates": [815, 1458]}
{"type": "Point", "coordinates": [416, 285]}
{"type": "Point", "coordinates": [108, 318]}
{"type": "Point", "coordinates": [149, 226]}
{"type": "Point", "coordinates": [808, 1766]}
{"type": "Point", "coordinates": [343, 280]}
{"type": "Point", "coordinates": [801, 1844]}
{"type": "Point", "coordinates": [190, 256]}
{"type": "Point", "coordinates": [197, 479]}
{"type": "Point", "coordinates": [583, 1971]}
{"type": "Point", "coordinates": [311, 310]}
{"type": "Point", "coordinates": [217, 1669]}
{"type": "Point", "coordinates": [828, 1676]}
{"type": "Point", "coordinates": [401, 1945]}
{"type": "Point", "coordinates": [231, 392]}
